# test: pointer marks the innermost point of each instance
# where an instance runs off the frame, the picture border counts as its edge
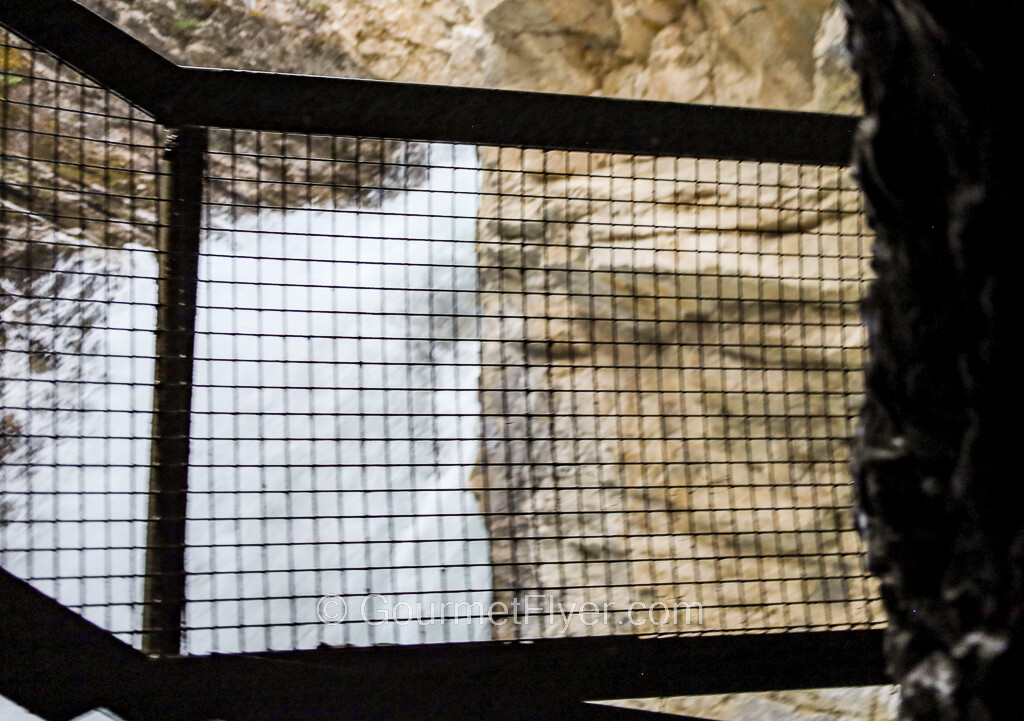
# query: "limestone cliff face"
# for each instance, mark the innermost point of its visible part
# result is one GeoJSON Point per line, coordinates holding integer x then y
{"type": "Point", "coordinates": [735, 53]}
{"type": "Point", "coordinates": [730, 52]}
{"type": "Point", "coordinates": [782, 54]}
{"type": "Point", "coordinates": [655, 363]}
{"type": "Point", "coordinates": [626, 412]}
{"type": "Point", "coordinates": [835, 86]}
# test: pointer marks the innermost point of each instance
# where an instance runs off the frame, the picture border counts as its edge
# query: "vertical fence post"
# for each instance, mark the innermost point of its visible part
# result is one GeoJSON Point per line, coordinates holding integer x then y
{"type": "Point", "coordinates": [178, 251]}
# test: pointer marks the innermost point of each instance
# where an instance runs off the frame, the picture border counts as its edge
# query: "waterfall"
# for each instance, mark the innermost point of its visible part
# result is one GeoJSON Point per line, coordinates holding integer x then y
{"type": "Point", "coordinates": [334, 423]}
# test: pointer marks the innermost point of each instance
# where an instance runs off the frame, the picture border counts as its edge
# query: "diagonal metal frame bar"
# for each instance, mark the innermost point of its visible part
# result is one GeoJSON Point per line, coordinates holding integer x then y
{"type": "Point", "coordinates": [54, 662]}
{"type": "Point", "coordinates": [58, 665]}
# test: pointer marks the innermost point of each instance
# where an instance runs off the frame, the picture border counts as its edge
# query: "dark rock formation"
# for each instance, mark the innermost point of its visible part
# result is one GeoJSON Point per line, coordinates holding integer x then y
{"type": "Point", "coordinates": [934, 460]}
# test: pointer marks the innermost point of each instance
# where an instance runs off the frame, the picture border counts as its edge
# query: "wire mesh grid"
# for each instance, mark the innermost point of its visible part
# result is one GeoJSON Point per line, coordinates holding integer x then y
{"type": "Point", "coordinates": [669, 383]}
{"type": "Point", "coordinates": [335, 412]}
{"type": "Point", "coordinates": [441, 392]}
{"type": "Point", "coordinates": [79, 217]}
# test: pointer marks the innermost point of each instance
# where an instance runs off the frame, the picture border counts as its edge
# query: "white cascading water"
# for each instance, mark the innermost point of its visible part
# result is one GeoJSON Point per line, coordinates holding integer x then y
{"type": "Point", "coordinates": [334, 424]}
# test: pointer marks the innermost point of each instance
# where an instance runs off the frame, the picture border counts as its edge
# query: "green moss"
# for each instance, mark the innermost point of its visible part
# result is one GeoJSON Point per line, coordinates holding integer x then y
{"type": "Point", "coordinates": [70, 172]}
{"type": "Point", "coordinates": [185, 26]}
{"type": "Point", "coordinates": [13, 65]}
{"type": "Point", "coordinates": [316, 8]}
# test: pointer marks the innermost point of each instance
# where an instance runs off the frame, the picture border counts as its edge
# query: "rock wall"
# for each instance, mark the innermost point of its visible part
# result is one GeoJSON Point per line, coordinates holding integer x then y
{"type": "Point", "coordinates": [665, 397]}
{"type": "Point", "coordinates": [740, 52]}
{"type": "Point", "coordinates": [736, 52]}
{"type": "Point", "coordinates": [619, 402]}
{"type": "Point", "coordinates": [786, 54]}
{"type": "Point", "coordinates": [288, 38]}
{"type": "Point", "coordinates": [667, 394]}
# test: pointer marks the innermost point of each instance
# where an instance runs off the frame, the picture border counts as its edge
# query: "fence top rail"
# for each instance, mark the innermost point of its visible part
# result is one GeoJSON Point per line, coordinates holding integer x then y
{"type": "Point", "coordinates": [245, 100]}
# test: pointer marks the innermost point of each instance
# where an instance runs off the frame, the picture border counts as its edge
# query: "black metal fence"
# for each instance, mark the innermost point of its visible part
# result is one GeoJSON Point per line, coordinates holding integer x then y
{"type": "Point", "coordinates": [352, 363]}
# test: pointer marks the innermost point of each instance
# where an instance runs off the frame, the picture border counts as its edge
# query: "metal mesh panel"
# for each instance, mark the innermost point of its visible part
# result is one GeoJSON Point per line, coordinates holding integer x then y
{"type": "Point", "coordinates": [335, 417]}
{"type": "Point", "coordinates": [669, 383]}
{"type": "Point", "coordinates": [79, 212]}
{"type": "Point", "coordinates": [440, 392]}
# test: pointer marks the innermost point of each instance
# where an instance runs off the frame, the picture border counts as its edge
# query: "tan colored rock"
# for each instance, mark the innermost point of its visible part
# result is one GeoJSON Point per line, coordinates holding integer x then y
{"type": "Point", "coordinates": [550, 45]}
{"type": "Point", "coordinates": [430, 41]}
{"type": "Point", "coordinates": [732, 52]}
{"type": "Point", "coordinates": [229, 34]}
{"type": "Point", "coordinates": [667, 401]}
{"type": "Point", "coordinates": [660, 12]}
{"type": "Point", "coordinates": [874, 703]}
{"type": "Point", "coordinates": [671, 385]}
{"type": "Point", "coordinates": [836, 89]}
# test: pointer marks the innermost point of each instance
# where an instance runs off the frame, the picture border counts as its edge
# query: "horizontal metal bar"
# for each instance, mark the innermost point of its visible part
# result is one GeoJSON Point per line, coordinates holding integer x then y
{"type": "Point", "coordinates": [608, 667]}
{"type": "Point", "coordinates": [59, 665]}
{"type": "Point", "coordinates": [265, 101]}
{"type": "Point", "coordinates": [178, 96]}
{"type": "Point", "coordinates": [524, 680]}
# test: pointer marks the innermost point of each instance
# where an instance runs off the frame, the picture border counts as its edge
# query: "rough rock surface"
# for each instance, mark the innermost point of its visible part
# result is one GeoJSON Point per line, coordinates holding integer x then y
{"type": "Point", "coordinates": [566, 432]}
{"type": "Point", "coordinates": [619, 403]}
{"type": "Point", "coordinates": [740, 52]}
{"type": "Point", "coordinates": [234, 34]}
{"type": "Point", "coordinates": [627, 409]}
{"type": "Point", "coordinates": [835, 86]}
{"type": "Point", "coordinates": [831, 704]}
